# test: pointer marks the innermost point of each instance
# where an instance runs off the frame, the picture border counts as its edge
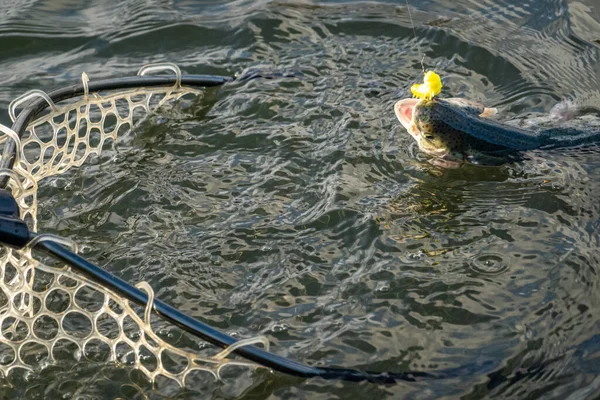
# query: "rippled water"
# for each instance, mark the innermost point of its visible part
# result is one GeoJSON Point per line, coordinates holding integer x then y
{"type": "Point", "coordinates": [298, 209]}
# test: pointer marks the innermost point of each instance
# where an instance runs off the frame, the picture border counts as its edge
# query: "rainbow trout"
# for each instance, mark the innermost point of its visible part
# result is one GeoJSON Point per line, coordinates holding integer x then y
{"type": "Point", "coordinates": [457, 130]}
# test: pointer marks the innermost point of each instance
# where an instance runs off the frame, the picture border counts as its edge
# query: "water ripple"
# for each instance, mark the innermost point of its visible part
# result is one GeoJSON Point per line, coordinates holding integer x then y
{"type": "Point", "coordinates": [295, 208]}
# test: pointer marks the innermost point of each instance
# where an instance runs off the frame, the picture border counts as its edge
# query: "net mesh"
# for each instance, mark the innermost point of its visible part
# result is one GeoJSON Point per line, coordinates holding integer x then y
{"type": "Point", "coordinates": [47, 309]}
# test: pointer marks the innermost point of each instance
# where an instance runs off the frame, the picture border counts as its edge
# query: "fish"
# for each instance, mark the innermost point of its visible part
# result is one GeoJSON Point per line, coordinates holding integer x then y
{"type": "Point", "coordinates": [457, 130]}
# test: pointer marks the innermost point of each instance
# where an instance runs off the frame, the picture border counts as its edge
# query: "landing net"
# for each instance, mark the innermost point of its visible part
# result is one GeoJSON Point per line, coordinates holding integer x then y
{"type": "Point", "coordinates": [50, 313]}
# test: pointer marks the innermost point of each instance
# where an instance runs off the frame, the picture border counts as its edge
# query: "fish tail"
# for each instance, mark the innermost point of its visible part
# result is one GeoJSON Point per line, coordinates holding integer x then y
{"type": "Point", "coordinates": [563, 137]}
{"type": "Point", "coordinates": [564, 111]}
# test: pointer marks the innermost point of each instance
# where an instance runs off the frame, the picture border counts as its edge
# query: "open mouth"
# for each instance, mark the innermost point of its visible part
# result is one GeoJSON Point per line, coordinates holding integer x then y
{"type": "Point", "coordinates": [404, 110]}
{"type": "Point", "coordinates": [404, 113]}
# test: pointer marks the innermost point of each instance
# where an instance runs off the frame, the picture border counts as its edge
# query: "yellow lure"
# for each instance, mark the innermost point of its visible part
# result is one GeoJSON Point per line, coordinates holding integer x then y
{"type": "Point", "coordinates": [431, 86]}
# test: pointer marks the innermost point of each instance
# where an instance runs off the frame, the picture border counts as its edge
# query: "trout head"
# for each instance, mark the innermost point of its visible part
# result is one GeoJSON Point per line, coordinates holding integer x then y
{"type": "Point", "coordinates": [427, 121]}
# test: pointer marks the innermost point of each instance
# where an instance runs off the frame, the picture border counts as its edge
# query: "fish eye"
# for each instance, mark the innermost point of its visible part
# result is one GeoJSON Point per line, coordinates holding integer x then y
{"type": "Point", "coordinates": [429, 137]}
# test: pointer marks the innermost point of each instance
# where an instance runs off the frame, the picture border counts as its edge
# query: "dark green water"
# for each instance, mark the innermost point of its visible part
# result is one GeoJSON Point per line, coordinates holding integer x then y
{"type": "Point", "coordinates": [297, 209]}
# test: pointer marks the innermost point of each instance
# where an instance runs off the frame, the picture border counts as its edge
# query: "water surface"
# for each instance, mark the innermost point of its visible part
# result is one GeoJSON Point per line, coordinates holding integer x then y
{"type": "Point", "coordinates": [298, 209]}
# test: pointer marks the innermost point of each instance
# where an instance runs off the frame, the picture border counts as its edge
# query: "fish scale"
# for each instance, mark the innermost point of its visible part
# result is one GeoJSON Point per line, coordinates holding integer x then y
{"type": "Point", "coordinates": [486, 130]}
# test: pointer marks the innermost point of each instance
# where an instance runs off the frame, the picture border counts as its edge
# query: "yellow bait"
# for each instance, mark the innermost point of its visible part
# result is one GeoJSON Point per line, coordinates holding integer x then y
{"type": "Point", "coordinates": [431, 86]}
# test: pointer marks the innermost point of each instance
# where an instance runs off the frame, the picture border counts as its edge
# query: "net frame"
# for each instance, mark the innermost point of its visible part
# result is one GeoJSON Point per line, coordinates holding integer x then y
{"type": "Point", "coordinates": [26, 305]}
{"type": "Point", "coordinates": [20, 176]}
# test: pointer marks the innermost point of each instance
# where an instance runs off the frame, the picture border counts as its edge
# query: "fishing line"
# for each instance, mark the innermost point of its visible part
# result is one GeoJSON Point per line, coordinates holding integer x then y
{"type": "Point", "coordinates": [412, 24]}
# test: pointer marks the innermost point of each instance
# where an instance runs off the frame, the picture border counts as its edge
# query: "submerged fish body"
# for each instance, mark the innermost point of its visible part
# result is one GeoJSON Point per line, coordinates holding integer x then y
{"type": "Point", "coordinates": [458, 130]}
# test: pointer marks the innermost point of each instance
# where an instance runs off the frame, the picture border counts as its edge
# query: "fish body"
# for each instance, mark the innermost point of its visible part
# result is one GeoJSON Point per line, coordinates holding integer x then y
{"type": "Point", "coordinates": [459, 130]}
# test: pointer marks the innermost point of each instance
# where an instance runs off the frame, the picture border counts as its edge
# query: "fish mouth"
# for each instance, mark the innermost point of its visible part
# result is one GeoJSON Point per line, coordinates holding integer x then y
{"type": "Point", "coordinates": [404, 112]}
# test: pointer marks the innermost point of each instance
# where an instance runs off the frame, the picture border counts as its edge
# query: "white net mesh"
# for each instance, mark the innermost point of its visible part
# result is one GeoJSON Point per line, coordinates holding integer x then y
{"type": "Point", "coordinates": [46, 311]}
